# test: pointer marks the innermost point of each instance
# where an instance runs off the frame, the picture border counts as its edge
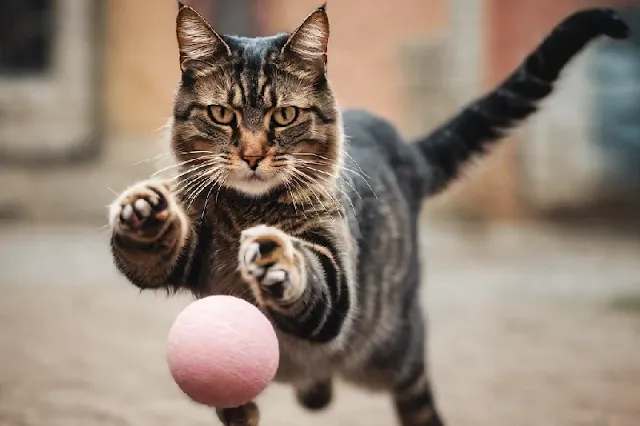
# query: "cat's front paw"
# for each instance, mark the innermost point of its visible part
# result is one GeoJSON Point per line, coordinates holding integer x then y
{"type": "Point", "coordinates": [143, 211]}
{"type": "Point", "coordinates": [272, 266]}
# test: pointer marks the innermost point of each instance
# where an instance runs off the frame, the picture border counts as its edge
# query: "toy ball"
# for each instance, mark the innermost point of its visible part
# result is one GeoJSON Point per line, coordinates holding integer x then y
{"type": "Point", "coordinates": [222, 351]}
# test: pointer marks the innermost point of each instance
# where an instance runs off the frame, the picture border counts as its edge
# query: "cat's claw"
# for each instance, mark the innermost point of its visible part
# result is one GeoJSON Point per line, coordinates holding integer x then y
{"type": "Point", "coordinates": [267, 259]}
{"type": "Point", "coordinates": [142, 210]}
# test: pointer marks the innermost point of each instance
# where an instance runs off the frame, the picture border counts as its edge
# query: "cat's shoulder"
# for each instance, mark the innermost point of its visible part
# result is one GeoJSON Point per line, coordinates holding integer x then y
{"type": "Point", "coordinates": [363, 126]}
{"type": "Point", "coordinates": [363, 119]}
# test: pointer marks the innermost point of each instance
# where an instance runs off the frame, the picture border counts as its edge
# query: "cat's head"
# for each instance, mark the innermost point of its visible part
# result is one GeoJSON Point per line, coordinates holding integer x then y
{"type": "Point", "coordinates": [255, 114]}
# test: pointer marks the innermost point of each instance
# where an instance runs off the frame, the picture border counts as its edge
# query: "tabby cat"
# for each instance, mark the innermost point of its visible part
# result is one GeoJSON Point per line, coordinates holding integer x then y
{"type": "Point", "coordinates": [309, 212]}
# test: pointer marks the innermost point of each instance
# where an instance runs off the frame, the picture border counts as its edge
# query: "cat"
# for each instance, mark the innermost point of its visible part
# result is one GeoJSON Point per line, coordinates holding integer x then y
{"type": "Point", "coordinates": [309, 212]}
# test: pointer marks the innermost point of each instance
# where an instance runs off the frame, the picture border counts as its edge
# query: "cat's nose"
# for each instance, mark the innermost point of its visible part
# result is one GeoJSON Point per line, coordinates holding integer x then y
{"type": "Point", "coordinates": [253, 160]}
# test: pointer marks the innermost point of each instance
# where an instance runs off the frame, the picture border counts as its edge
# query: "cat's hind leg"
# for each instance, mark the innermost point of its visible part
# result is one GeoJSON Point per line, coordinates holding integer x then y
{"type": "Point", "coordinates": [402, 359]}
{"type": "Point", "coordinates": [413, 398]}
{"type": "Point", "coordinates": [245, 415]}
{"type": "Point", "coordinates": [316, 395]}
{"type": "Point", "coordinates": [411, 387]}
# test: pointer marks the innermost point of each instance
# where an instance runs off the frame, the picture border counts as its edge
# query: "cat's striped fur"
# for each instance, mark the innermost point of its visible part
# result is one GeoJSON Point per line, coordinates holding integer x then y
{"type": "Point", "coordinates": [271, 205]}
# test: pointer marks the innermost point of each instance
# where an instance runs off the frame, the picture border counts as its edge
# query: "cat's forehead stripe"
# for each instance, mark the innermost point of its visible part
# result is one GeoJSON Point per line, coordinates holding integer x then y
{"type": "Point", "coordinates": [235, 96]}
{"type": "Point", "coordinates": [253, 70]}
{"type": "Point", "coordinates": [239, 83]}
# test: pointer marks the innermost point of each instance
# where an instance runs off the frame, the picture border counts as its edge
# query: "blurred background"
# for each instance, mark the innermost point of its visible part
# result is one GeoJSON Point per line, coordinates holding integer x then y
{"type": "Point", "coordinates": [534, 257]}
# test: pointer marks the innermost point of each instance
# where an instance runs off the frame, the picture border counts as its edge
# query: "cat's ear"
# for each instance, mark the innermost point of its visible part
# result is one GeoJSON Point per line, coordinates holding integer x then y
{"type": "Point", "coordinates": [197, 41]}
{"type": "Point", "coordinates": [306, 48]}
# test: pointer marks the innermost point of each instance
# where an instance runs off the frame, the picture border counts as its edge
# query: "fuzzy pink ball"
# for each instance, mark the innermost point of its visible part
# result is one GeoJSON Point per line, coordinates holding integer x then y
{"type": "Point", "coordinates": [222, 351]}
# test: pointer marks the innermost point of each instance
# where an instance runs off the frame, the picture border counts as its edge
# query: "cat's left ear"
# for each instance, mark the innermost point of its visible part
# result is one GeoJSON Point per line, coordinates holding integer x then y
{"type": "Point", "coordinates": [306, 48]}
{"type": "Point", "coordinates": [197, 41]}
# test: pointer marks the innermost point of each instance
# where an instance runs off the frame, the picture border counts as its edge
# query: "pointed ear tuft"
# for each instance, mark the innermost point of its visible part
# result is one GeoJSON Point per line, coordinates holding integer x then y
{"type": "Point", "coordinates": [306, 48]}
{"type": "Point", "coordinates": [197, 41]}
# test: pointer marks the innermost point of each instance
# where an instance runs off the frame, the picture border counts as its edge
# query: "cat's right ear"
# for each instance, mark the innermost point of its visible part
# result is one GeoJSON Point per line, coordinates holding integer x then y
{"type": "Point", "coordinates": [197, 41]}
{"type": "Point", "coordinates": [306, 49]}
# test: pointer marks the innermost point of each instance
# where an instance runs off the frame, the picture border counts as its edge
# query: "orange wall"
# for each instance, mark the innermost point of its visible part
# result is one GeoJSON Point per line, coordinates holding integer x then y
{"type": "Point", "coordinates": [141, 65]}
{"type": "Point", "coordinates": [142, 69]}
{"type": "Point", "coordinates": [364, 46]}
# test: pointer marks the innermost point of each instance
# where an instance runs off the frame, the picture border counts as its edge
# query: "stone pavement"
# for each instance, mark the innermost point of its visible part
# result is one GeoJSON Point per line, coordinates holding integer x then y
{"type": "Point", "coordinates": [522, 334]}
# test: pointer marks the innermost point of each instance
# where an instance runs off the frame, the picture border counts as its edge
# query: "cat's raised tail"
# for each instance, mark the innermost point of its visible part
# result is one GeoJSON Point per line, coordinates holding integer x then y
{"type": "Point", "coordinates": [485, 120]}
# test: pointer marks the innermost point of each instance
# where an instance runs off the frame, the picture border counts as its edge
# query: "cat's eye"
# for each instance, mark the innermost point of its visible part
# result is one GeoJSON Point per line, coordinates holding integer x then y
{"type": "Point", "coordinates": [221, 115]}
{"type": "Point", "coordinates": [284, 116]}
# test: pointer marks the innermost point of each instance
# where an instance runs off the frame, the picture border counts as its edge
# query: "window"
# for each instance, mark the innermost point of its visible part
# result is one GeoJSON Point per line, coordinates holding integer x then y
{"type": "Point", "coordinates": [26, 36]}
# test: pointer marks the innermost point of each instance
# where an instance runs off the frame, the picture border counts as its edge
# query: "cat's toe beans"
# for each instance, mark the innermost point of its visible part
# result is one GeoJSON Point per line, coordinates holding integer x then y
{"type": "Point", "coordinates": [255, 270]}
{"type": "Point", "coordinates": [274, 276]}
{"type": "Point", "coordinates": [276, 284]}
{"type": "Point", "coordinates": [267, 247]}
{"type": "Point", "coordinates": [126, 213]}
{"type": "Point", "coordinates": [254, 232]}
{"type": "Point", "coordinates": [158, 197]}
{"type": "Point", "coordinates": [153, 200]}
{"type": "Point", "coordinates": [143, 208]}
{"type": "Point", "coordinates": [250, 253]}
{"type": "Point", "coordinates": [128, 217]}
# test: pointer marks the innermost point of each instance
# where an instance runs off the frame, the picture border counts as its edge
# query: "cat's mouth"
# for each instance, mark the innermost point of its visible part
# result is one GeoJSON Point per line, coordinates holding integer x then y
{"type": "Point", "coordinates": [253, 176]}
{"type": "Point", "coordinates": [253, 183]}
{"type": "Point", "coordinates": [256, 176]}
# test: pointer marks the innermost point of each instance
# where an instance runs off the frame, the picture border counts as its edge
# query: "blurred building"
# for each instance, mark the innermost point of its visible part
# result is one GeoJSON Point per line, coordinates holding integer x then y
{"type": "Point", "coordinates": [86, 86]}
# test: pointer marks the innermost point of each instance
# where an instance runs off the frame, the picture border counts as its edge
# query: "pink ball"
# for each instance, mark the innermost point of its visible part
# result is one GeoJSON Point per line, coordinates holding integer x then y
{"type": "Point", "coordinates": [222, 351]}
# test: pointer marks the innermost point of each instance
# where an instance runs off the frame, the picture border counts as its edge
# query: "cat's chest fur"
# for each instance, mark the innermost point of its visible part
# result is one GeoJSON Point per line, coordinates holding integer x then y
{"type": "Point", "coordinates": [219, 239]}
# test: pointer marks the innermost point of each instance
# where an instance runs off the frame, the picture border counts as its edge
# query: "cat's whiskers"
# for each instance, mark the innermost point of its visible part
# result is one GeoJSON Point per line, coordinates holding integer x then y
{"type": "Point", "coordinates": [210, 178]}
{"type": "Point", "coordinates": [319, 205]}
{"type": "Point", "coordinates": [154, 158]}
{"type": "Point", "coordinates": [286, 184]}
{"type": "Point", "coordinates": [310, 182]}
{"type": "Point", "coordinates": [347, 169]}
{"type": "Point", "coordinates": [206, 178]}
{"type": "Point", "coordinates": [173, 166]}
{"type": "Point", "coordinates": [304, 162]}
{"type": "Point", "coordinates": [328, 162]}
{"type": "Point", "coordinates": [350, 157]}
{"type": "Point", "coordinates": [220, 186]}
{"type": "Point", "coordinates": [195, 191]}
{"type": "Point", "coordinates": [191, 160]}
{"type": "Point", "coordinates": [184, 188]}
{"type": "Point", "coordinates": [330, 176]}
{"type": "Point", "coordinates": [193, 187]}
{"type": "Point", "coordinates": [206, 202]}
{"type": "Point", "coordinates": [335, 185]}
{"type": "Point", "coordinates": [169, 153]}
{"type": "Point", "coordinates": [208, 163]}
{"type": "Point", "coordinates": [288, 181]}
{"type": "Point", "coordinates": [296, 177]}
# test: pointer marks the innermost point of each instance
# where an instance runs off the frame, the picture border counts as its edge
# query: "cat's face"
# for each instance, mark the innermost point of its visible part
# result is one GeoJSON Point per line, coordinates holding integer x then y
{"type": "Point", "coordinates": [255, 114]}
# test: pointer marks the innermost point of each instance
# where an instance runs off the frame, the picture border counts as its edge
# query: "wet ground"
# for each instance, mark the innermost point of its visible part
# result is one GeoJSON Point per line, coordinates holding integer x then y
{"type": "Point", "coordinates": [529, 326]}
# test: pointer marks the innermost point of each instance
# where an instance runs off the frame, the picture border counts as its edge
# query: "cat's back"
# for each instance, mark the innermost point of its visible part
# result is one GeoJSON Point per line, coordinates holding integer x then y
{"type": "Point", "coordinates": [367, 130]}
{"type": "Point", "coordinates": [374, 146]}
